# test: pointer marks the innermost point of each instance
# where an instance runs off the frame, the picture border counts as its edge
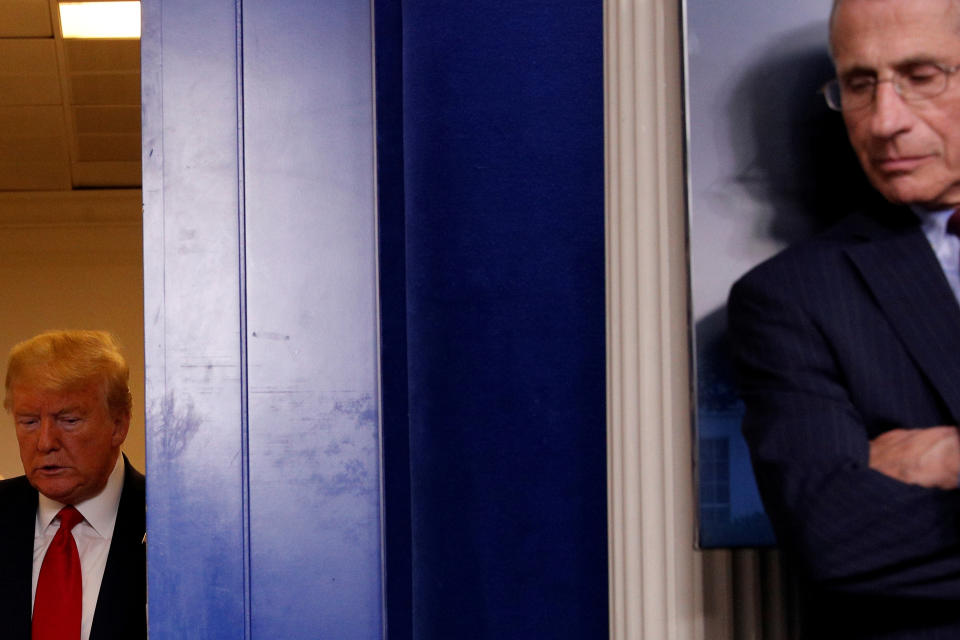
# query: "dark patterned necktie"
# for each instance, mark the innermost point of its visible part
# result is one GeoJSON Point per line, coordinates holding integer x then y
{"type": "Point", "coordinates": [953, 223]}
{"type": "Point", "coordinates": [58, 603]}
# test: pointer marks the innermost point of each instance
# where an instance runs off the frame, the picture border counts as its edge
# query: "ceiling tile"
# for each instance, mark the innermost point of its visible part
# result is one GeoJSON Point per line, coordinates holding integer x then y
{"type": "Point", "coordinates": [31, 149]}
{"type": "Point", "coordinates": [91, 141]}
{"type": "Point", "coordinates": [106, 174]}
{"type": "Point", "coordinates": [113, 207]}
{"type": "Point", "coordinates": [107, 119]}
{"type": "Point", "coordinates": [25, 19]}
{"type": "Point", "coordinates": [28, 121]}
{"type": "Point", "coordinates": [113, 146]}
{"type": "Point", "coordinates": [102, 55]}
{"type": "Point", "coordinates": [33, 153]}
{"type": "Point", "coordinates": [34, 176]}
{"type": "Point", "coordinates": [105, 89]}
{"type": "Point", "coordinates": [28, 72]}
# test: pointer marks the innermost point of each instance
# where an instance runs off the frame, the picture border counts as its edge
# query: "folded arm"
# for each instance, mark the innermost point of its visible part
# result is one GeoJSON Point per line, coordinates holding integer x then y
{"type": "Point", "coordinates": [927, 457]}
{"type": "Point", "coordinates": [861, 516]}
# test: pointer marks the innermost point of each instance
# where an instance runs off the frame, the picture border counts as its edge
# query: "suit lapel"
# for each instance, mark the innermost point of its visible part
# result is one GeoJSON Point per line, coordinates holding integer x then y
{"type": "Point", "coordinates": [908, 284]}
{"type": "Point", "coordinates": [121, 604]}
{"type": "Point", "coordinates": [18, 515]}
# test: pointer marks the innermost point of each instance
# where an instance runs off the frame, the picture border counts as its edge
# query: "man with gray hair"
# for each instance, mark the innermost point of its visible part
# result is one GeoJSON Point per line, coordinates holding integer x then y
{"type": "Point", "coordinates": [847, 346]}
{"type": "Point", "coordinates": [72, 528]}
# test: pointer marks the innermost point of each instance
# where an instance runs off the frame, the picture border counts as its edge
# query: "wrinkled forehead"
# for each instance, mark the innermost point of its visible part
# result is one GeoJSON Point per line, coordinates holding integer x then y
{"type": "Point", "coordinates": [947, 5]}
{"type": "Point", "coordinates": [870, 32]}
{"type": "Point", "coordinates": [35, 384]}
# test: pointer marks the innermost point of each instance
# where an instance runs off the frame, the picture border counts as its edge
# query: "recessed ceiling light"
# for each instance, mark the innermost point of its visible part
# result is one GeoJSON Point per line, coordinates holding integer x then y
{"type": "Point", "coordinates": [100, 19]}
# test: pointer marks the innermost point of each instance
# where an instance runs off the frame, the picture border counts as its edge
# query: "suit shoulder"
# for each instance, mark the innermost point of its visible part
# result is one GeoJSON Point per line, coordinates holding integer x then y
{"type": "Point", "coordinates": [802, 261]}
{"type": "Point", "coordinates": [15, 492]}
{"type": "Point", "coordinates": [821, 259]}
{"type": "Point", "coordinates": [132, 477]}
{"type": "Point", "coordinates": [13, 485]}
{"type": "Point", "coordinates": [133, 499]}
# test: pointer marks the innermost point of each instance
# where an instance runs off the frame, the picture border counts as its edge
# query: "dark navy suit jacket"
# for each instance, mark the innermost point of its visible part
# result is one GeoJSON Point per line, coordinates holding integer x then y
{"type": "Point", "coordinates": [837, 340]}
{"type": "Point", "coordinates": [121, 605]}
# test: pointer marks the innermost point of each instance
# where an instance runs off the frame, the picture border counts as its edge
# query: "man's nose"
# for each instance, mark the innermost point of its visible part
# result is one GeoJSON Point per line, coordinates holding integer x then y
{"type": "Point", "coordinates": [891, 115]}
{"type": "Point", "coordinates": [48, 437]}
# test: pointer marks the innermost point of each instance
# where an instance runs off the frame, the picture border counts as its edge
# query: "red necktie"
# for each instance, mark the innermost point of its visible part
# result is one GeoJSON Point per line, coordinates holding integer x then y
{"type": "Point", "coordinates": [59, 600]}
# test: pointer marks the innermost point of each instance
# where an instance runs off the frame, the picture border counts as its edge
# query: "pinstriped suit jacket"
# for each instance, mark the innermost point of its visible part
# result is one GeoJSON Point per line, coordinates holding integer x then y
{"type": "Point", "coordinates": [837, 340]}
{"type": "Point", "coordinates": [121, 604]}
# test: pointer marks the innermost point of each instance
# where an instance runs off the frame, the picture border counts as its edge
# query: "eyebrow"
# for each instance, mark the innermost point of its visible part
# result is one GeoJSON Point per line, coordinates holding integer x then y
{"type": "Point", "coordinates": [918, 60]}
{"type": "Point", "coordinates": [912, 61]}
{"type": "Point", "coordinates": [66, 410]}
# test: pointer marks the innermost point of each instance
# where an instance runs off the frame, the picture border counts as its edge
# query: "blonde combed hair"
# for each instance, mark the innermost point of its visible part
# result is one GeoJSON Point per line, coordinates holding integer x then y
{"type": "Point", "coordinates": [70, 359]}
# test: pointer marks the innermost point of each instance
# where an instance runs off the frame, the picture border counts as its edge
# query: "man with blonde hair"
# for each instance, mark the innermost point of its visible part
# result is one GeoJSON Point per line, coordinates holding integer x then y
{"type": "Point", "coordinates": [72, 528]}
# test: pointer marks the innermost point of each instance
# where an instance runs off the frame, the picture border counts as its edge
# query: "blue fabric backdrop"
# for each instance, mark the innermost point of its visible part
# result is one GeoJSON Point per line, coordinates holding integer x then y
{"type": "Point", "coordinates": [490, 160]}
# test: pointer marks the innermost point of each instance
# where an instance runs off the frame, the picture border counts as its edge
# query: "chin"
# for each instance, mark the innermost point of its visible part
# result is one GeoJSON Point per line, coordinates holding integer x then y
{"type": "Point", "coordinates": [61, 492]}
{"type": "Point", "coordinates": [908, 190]}
{"type": "Point", "coordinates": [905, 193]}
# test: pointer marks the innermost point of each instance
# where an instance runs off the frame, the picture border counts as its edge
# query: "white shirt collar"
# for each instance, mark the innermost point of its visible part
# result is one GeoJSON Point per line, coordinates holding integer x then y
{"type": "Point", "coordinates": [933, 221]}
{"type": "Point", "coordinates": [100, 511]}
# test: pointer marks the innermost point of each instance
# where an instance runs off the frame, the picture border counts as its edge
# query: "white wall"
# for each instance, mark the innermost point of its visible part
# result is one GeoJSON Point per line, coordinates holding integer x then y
{"type": "Point", "coordinates": [72, 260]}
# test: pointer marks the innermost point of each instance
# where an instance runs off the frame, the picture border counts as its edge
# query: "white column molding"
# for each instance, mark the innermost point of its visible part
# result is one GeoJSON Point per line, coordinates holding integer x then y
{"type": "Point", "coordinates": [656, 577]}
{"type": "Point", "coordinates": [661, 588]}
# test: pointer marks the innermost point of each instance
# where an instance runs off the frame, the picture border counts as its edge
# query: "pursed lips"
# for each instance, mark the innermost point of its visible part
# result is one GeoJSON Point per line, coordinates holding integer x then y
{"type": "Point", "coordinates": [899, 164]}
{"type": "Point", "coordinates": [49, 469]}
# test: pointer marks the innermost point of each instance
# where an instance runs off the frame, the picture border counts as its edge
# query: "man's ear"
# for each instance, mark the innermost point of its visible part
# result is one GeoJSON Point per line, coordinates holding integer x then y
{"type": "Point", "coordinates": [121, 425]}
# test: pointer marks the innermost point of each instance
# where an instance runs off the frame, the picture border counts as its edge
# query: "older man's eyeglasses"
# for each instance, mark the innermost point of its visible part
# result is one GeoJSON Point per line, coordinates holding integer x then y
{"type": "Point", "coordinates": [918, 82]}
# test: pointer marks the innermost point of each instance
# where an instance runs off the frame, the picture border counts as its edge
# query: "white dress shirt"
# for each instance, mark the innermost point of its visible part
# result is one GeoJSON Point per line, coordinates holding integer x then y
{"type": "Point", "coordinates": [93, 536]}
{"type": "Point", "coordinates": [946, 246]}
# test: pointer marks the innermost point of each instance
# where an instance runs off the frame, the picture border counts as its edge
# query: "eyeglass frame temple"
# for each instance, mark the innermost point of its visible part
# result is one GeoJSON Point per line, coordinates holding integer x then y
{"type": "Point", "coordinates": [835, 81]}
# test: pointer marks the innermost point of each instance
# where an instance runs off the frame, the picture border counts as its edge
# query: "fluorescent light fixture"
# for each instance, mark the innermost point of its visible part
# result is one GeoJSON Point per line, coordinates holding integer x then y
{"type": "Point", "coordinates": [100, 19]}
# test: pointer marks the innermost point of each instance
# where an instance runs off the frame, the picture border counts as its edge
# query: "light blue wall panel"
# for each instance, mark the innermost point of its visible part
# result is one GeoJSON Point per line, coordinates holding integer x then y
{"type": "Point", "coordinates": [191, 287]}
{"type": "Point", "coordinates": [260, 284]}
{"type": "Point", "coordinates": [311, 286]}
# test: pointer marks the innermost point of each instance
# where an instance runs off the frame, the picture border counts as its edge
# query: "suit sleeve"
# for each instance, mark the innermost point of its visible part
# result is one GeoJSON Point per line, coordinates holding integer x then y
{"type": "Point", "coordinates": [852, 529]}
